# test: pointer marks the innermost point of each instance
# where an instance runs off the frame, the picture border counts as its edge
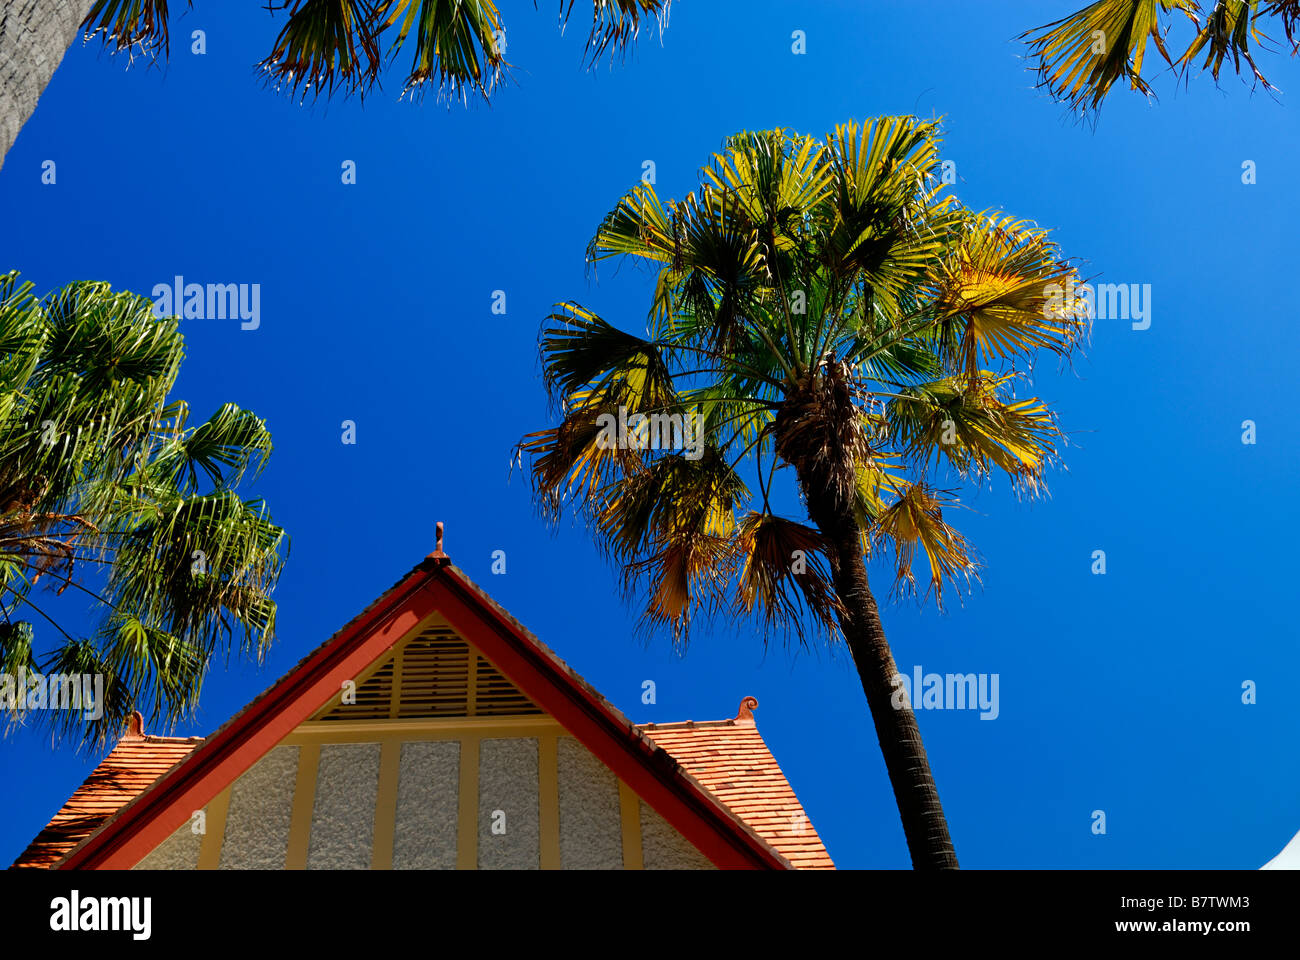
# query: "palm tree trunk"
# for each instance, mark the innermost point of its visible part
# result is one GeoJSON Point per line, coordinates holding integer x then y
{"type": "Point", "coordinates": [33, 38]}
{"type": "Point", "coordinates": [924, 824]}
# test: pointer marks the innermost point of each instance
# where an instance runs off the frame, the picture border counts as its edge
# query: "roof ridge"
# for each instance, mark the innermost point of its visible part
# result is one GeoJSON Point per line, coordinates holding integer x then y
{"type": "Point", "coordinates": [744, 718]}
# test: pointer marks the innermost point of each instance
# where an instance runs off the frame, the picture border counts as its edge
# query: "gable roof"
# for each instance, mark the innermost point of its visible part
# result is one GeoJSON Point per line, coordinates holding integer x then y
{"type": "Point", "coordinates": [144, 821]}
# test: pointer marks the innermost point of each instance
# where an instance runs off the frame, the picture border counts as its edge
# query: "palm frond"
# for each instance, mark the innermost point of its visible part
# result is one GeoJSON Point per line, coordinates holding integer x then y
{"type": "Point", "coordinates": [100, 493]}
{"type": "Point", "coordinates": [324, 46]}
{"type": "Point", "coordinates": [993, 295]}
{"type": "Point", "coordinates": [615, 24]}
{"type": "Point", "coordinates": [131, 25]}
{"type": "Point", "coordinates": [454, 41]}
{"type": "Point", "coordinates": [784, 578]}
{"type": "Point", "coordinates": [1229, 29]}
{"type": "Point", "coordinates": [915, 521]}
{"type": "Point", "coordinates": [1081, 57]}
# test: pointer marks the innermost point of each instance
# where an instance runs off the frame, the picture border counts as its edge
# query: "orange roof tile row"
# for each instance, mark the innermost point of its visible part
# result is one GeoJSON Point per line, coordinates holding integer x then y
{"type": "Point", "coordinates": [733, 763]}
{"type": "Point", "coordinates": [135, 763]}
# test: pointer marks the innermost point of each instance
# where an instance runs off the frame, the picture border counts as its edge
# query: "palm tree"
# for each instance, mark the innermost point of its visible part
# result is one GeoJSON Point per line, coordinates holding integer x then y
{"type": "Point", "coordinates": [108, 489]}
{"type": "Point", "coordinates": [820, 307]}
{"type": "Point", "coordinates": [1082, 56]}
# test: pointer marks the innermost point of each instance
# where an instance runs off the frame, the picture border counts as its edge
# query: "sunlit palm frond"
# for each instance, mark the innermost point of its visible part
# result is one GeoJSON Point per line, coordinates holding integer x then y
{"type": "Point", "coordinates": [915, 521]}
{"type": "Point", "coordinates": [223, 449]}
{"type": "Point", "coordinates": [672, 497]}
{"type": "Point", "coordinates": [1082, 56]}
{"type": "Point", "coordinates": [573, 461]}
{"type": "Point", "coordinates": [82, 658]}
{"type": "Point", "coordinates": [884, 199]}
{"type": "Point", "coordinates": [971, 426]}
{"type": "Point", "coordinates": [994, 295]}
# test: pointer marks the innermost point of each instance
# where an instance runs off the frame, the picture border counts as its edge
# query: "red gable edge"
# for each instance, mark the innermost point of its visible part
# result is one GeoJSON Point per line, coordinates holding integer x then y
{"type": "Point", "coordinates": [141, 825]}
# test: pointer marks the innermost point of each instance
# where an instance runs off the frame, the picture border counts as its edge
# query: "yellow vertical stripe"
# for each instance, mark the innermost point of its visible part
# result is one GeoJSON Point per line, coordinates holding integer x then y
{"type": "Point", "coordinates": [395, 696]}
{"type": "Point", "coordinates": [630, 808]}
{"type": "Point", "coordinates": [390, 761]}
{"type": "Point", "coordinates": [471, 694]}
{"type": "Point", "coordinates": [304, 799]}
{"type": "Point", "coordinates": [214, 831]}
{"type": "Point", "coordinates": [548, 801]}
{"type": "Point", "coordinates": [467, 831]}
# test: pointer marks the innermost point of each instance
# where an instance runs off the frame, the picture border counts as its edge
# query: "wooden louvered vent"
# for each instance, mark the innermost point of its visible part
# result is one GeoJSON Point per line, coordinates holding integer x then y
{"type": "Point", "coordinates": [435, 674]}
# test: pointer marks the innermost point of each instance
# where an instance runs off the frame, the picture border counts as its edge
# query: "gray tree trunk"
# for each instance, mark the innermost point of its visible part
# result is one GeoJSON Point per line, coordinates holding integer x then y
{"type": "Point", "coordinates": [32, 44]}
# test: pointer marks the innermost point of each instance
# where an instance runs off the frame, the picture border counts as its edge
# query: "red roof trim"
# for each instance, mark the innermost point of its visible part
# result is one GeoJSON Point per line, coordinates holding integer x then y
{"type": "Point", "coordinates": [147, 821]}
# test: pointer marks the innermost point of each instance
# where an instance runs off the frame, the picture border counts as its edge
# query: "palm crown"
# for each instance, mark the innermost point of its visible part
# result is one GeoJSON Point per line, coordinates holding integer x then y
{"type": "Point", "coordinates": [108, 489]}
{"type": "Point", "coordinates": [820, 306]}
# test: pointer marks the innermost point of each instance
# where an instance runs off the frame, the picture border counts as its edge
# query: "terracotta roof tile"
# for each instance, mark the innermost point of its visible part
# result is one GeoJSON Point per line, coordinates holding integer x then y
{"type": "Point", "coordinates": [730, 758]}
{"type": "Point", "coordinates": [135, 763]}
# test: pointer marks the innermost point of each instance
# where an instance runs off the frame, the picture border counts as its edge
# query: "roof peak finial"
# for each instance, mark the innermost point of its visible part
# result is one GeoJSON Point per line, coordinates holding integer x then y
{"type": "Point", "coordinates": [134, 726]}
{"type": "Point", "coordinates": [438, 555]}
{"type": "Point", "coordinates": [747, 705]}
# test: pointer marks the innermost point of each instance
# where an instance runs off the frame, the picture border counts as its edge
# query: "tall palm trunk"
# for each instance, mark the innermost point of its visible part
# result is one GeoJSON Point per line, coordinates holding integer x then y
{"type": "Point", "coordinates": [924, 824]}
{"type": "Point", "coordinates": [33, 38]}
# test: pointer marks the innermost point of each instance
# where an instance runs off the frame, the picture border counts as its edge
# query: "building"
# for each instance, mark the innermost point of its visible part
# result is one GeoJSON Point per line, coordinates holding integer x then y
{"type": "Point", "coordinates": [434, 732]}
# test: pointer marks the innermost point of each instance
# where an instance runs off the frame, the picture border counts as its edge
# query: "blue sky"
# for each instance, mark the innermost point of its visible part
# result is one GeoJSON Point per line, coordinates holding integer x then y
{"type": "Point", "coordinates": [1120, 692]}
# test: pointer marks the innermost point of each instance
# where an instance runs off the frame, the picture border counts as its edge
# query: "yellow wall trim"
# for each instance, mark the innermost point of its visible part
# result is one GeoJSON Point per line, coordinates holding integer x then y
{"type": "Point", "coordinates": [304, 800]}
{"type": "Point", "coordinates": [467, 832]}
{"type": "Point", "coordinates": [630, 809]}
{"type": "Point", "coordinates": [214, 831]}
{"type": "Point", "coordinates": [390, 759]}
{"type": "Point", "coordinates": [548, 800]}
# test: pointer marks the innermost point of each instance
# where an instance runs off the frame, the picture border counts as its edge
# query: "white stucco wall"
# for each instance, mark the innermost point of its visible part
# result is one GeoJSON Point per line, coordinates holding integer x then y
{"type": "Point", "coordinates": [591, 826]}
{"type": "Point", "coordinates": [343, 816]}
{"type": "Point", "coordinates": [261, 805]}
{"type": "Point", "coordinates": [428, 792]}
{"type": "Point", "coordinates": [664, 848]}
{"type": "Point", "coordinates": [180, 851]}
{"type": "Point", "coordinates": [507, 782]}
